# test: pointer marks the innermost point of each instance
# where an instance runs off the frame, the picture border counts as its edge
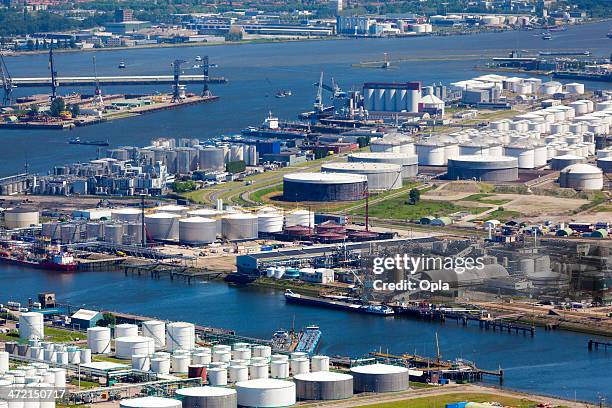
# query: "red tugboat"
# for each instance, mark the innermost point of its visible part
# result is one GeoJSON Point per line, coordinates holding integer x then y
{"type": "Point", "coordinates": [40, 255]}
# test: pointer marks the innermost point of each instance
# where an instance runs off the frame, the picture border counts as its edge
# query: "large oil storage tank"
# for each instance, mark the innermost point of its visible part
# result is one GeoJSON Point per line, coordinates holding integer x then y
{"type": "Point", "coordinates": [150, 402]}
{"type": "Point", "coordinates": [574, 88]}
{"type": "Point", "coordinates": [197, 230]}
{"type": "Point", "coordinates": [381, 176]}
{"type": "Point", "coordinates": [207, 397]}
{"type": "Point", "coordinates": [69, 233]}
{"type": "Point", "coordinates": [430, 153]}
{"type": "Point", "coordinates": [561, 162]}
{"type": "Point", "coordinates": [605, 164]}
{"type": "Point", "coordinates": [22, 217]}
{"type": "Point", "coordinates": [483, 167]}
{"type": "Point", "coordinates": [551, 88]}
{"type": "Point", "coordinates": [155, 329]}
{"type": "Point", "coordinates": [212, 159]}
{"type": "Point", "coordinates": [268, 222]}
{"type": "Point", "coordinates": [180, 336]}
{"type": "Point", "coordinates": [525, 154]}
{"type": "Point", "coordinates": [266, 393]}
{"type": "Point", "coordinates": [408, 162]}
{"type": "Point", "coordinates": [99, 340]}
{"type": "Point", "coordinates": [323, 385]}
{"type": "Point", "coordinates": [94, 230]}
{"type": "Point", "coordinates": [51, 230]}
{"type": "Point", "coordinates": [237, 227]}
{"type": "Point", "coordinates": [581, 177]}
{"type": "Point", "coordinates": [126, 347]}
{"type": "Point", "coordinates": [126, 214]}
{"type": "Point", "coordinates": [126, 330]}
{"type": "Point", "coordinates": [379, 378]}
{"type": "Point", "coordinates": [324, 187]}
{"type": "Point", "coordinates": [31, 326]}
{"type": "Point", "coordinates": [162, 226]}
{"type": "Point", "coordinates": [113, 233]}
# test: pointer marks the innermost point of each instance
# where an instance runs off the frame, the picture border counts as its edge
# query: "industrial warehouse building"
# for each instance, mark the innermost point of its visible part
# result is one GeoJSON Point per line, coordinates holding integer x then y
{"type": "Point", "coordinates": [483, 167]}
{"type": "Point", "coordinates": [408, 162]}
{"type": "Point", "coordinates": [381, 176]}
{"type": "Point", "coordinates": [324, 187]}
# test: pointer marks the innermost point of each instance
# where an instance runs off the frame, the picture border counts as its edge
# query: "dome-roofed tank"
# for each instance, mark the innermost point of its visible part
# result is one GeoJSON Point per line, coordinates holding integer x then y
{"type": "Point", "coordinates": [581, 177]}
{"type": "Point", "coordinates": [237, 227]}
{"type": "Point", "coordinates": [379, 378]}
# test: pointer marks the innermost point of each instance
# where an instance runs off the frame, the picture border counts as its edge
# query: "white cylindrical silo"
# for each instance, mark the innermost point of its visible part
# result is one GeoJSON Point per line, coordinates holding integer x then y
{"type": "Point", "coordinates": [201, 358]}
{"type": "Point", "coordinates": [126, 330]}
{"type": "Point", "coordinates": [156, 330]}
{"type": "Point", "coordinates": [180, 363]}
{"type": "Point", "coordinates": [126, 347]}
{"type": "Point", "coordinates": [197, 230]}
{"type": "Point", "coordinates": [162, 226]}
{"type": "Point", "coordinates": [31, 326]}
{"type": "Point", "coordinates": [99, 340]}
{"type": "Point", "coordinates": [238, 373]}
{"type": "Point", "coordinates": [299, 365]}
{"type": "Point", "coordinates": [160, 365]}
{"type": "Point", "coordinates": [180, 336]}
{"type": "Point", "coordinates": [141, 362]}
{"type": "Point", "coordinates": [319, 363]}
{"type": "Point", "coordinates": [238, 227]}
{"type": "Point", "coordinates": [4, 362]}
{"type": "Point", "coordinates": [279, 369]}
{"type": "Point", "coordinates": [269, 222]}
{"type": "Point", "coordinates": [150, 402]}
{"type": "Point", "coordinates": [85, 356]}
{"type": "Point", "coordinates": [258, 371]}
{"type": "Point", "coordinates": [266, 393]}
{"type": "Point", "coordinates": [217, 376]}
{"type": "Point", "coordinates": [262, 351]}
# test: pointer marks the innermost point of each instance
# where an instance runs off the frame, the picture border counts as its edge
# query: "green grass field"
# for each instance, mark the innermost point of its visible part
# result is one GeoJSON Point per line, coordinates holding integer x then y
{"type": "Point", "coordinates": [440, 401]}
{"type": "Point", "coordinates": [397, 208]}
{"type": "Point", "coordinates": [483, 198]}
{"type": "Point", "coordinates": [502, 215]}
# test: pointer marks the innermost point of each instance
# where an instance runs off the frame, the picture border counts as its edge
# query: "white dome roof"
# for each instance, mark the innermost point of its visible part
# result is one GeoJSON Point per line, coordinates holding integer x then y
{"type": "Point", "coordinates": [581, 168]}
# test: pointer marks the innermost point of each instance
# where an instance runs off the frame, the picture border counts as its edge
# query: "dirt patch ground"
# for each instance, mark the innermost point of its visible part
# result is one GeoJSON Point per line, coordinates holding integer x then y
{"type": "Point", "coordinates": [540, 206]}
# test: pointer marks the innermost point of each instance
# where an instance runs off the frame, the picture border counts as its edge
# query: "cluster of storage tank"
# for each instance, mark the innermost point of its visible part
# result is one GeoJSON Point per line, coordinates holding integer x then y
{"type": "Point", "coordinates": [517, 85]}
{"type": "Point", "coordinates": [295, 380]}
{"type": "Point", "coordinates": [189, 155]}
{"type": "Point", "coordinates": [49, 352]}
{"type": "Point", "coordinates": [36, 377]}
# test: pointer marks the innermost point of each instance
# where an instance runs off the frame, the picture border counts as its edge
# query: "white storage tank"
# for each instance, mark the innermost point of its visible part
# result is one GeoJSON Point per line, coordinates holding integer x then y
{"type": "Point", "coordinates": [156, 330]}
{"type": "Point", "coordinates": [430, 154]}
{"type": "Point", "coordinates": [180, 363]}
{"type": "Point", "coordinates": [126, 330]}
{"type": "Point", "coordinates": [160, 365]}
{"type": "Point", "coordinates": [126, 347]}
{"type": "Point", "coordinates": [258, 370]}
{"type": "Point", "coordinates": [266, 393]}
{"type": "Point", "coordinates": [524, 153]}
{"type": "Point", "coordinates": [126, 214]}
{"type": "Point", "coordinates": [217, 376]}
{"type": "Point", "coordinates": [323, 385]}
{"type": "Point", "coordinates": [207, 397]}
{"type": "Point", "coordinates": [279, 369]}
{"type": "Point", "coordinates": [180, 336]}
{"type": "Point", "coordinates": [197, 230]}
{"type": "Point", "coordinates": [551, 88]}
{"type": "Point", "coordinates": [21, 217]}
{"type": "Point", "coordinates": [302, 218]}
{"type": "Point", "coordinates": [561, 162]}
{"type": "Point", "coordinates": [381, 176]}
{"type": "Point", "coordinates": [379, 378]}
{"type": "Point", "coordinates": [141, 362]}
{"type": "Point", "coordinates": [299, 365]}
{"type": "Point", "coordinates": [99, 339]}
{"type": "Point", "coordinates": [319, 363]}
{"type": "Point", "coordinates": [268, 222]}
{"type": "Point", "coordinates": [574, 88]}
{"type": "Point", "coordinates": [239, 227]}
{"type": "Point", "coordinates": [150, 402]}
{"type": "Point", "coordinates": [581, 177]}
{"type": "Point", "coordinates": [162, 226]}
{"type": "Point", "coordinates": [31, 326]}
{"type": "Point", "coordinates": [172, 209]}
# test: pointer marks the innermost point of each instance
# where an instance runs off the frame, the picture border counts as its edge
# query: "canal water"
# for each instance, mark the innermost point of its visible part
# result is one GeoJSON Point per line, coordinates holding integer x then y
{"type": "Point", "coordinates": [255, 73]}
{"type": "Point", "coordinates": [554, 363]}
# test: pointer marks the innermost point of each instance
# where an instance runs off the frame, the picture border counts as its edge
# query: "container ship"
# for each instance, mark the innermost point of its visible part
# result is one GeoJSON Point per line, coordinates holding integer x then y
{"type": "Point", "coordinates": [338, 302]}
{"type": "Point", "coordinates": [42, 258]}
{"type": "Point", "coordinates": [305, 341]}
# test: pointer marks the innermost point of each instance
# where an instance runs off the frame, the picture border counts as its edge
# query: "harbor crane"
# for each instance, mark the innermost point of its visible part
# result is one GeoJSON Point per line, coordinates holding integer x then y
{"type": "Point", "coordinates": [54, 83]}
{"type": "Point", "coordinates": [176, 91]}
{"type": "Point", "coordinates": [206, 65]}
{"type": "Point", "coordinates": [334, 89]}
{"type": "Point", "coordinates": [7, 82]}
{"type": "Point", "coordinates": [318, 105]}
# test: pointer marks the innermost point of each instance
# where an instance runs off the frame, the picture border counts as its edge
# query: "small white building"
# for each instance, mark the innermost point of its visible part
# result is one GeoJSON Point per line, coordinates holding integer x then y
{"type": "Point", "coordinates": [320, 275]}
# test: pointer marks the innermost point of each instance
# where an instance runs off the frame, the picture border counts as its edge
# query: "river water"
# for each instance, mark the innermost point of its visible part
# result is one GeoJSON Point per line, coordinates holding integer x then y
{"type": "Point", "coordinates": [256, 72]}
{"type": "Point", "coordinates": [550, 363]}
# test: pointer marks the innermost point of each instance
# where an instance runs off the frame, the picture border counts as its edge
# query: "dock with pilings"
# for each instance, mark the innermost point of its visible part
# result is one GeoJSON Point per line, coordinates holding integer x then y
{"type": "Point", "coordinates": [464, 318]}
{"type": "Point", "coordinates": [595, 345]}
{"type": "Point", "coordinates": [160, 270]}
